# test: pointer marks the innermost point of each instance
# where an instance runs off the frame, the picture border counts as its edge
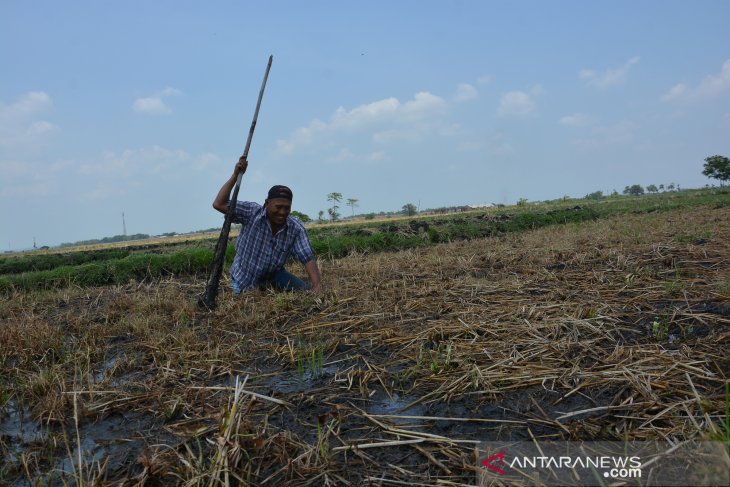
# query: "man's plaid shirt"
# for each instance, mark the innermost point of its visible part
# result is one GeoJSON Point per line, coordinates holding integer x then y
{"type": "Point", "coordinates": [258, 252]}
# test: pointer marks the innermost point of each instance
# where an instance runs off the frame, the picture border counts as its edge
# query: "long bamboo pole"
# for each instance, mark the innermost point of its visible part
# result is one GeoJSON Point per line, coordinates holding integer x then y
{"type": "Point", "coordinates": [207, 299]}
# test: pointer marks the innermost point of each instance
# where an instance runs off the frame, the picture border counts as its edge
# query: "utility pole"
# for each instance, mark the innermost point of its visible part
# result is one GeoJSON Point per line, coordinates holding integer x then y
{"type": "Point", "coordinates": [124, 226]}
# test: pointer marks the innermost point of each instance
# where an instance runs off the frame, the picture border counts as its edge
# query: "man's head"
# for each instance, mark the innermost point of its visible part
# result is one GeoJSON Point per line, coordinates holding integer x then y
{"type": "Point", "coordinates": [278, 204]}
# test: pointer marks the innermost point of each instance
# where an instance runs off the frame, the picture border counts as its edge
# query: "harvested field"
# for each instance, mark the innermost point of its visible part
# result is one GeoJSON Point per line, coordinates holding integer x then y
{"type": "Point", "coordinates": [602, 330]}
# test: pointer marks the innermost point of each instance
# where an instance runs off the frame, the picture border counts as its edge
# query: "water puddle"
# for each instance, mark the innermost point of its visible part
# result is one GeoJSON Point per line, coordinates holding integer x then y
{"type": "Point", "coordinates": [107, 368]}
{"type": "Point", "coordinates": [115, 369]}
{"type": "Point", "coordinates": [17, 425]}
{"type": "Point", "coordinates": [17, 432]}
{"type": "Point", "coordinates": [116, 437]}
{"type": "Point", "coordinates": [397, 408]}
{"type": "Point", "coordinates": [296, 382]}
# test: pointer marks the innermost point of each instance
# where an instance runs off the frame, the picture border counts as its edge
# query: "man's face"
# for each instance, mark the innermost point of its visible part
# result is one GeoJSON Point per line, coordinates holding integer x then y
{"type": "Point", "coordinates": [277, 209]}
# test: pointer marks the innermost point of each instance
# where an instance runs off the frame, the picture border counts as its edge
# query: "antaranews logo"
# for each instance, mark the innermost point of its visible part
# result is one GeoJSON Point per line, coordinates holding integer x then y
{"type": "Point", "coordinates": [615, 467]}
{"type": "Point", "coordinates": [488, 462]}
{"type": "Point", "coordinates": [577, 463]}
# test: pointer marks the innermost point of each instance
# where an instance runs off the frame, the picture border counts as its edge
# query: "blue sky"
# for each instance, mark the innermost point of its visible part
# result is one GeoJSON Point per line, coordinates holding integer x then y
{"type": "Point", "coordinates": [144, 107]}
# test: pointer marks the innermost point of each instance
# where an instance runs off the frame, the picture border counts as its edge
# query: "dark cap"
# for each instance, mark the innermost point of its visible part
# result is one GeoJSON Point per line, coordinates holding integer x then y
{"type": "Point", "coordinates": [280, 191]}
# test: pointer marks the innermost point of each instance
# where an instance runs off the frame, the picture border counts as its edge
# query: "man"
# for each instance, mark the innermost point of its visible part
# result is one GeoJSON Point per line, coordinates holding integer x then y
{"type": "Point", "coordinates": [268, 237]}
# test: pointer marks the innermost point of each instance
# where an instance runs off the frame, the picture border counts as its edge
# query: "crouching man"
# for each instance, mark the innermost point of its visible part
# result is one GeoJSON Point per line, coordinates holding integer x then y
{"type": "Point", "coordinates": [268, 237]}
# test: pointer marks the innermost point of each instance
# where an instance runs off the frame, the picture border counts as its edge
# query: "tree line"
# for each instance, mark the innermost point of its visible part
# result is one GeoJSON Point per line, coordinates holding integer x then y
{"type": "Point", "coordinates": [716, 167]}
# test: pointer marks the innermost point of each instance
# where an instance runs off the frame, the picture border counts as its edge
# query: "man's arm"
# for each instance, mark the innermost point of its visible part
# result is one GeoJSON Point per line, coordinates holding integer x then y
{"type": "Point", "coordinates": [221, 200]}
{"type": "Point", "coordinates": [313, 271]}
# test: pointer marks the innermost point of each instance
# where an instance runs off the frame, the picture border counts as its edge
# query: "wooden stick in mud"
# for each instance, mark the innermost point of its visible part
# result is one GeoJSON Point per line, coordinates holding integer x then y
{"type": "Point", "coordinates": [207, 300]}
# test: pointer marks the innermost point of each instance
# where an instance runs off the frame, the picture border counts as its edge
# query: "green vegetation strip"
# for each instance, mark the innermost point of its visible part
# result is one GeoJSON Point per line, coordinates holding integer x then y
{"type": "Point", "coordinates": [419, 233]}
{"type": "Point", "coordinates": [118, 266]}
{"type": "Point", "coordinates": [44, 262]}
{"type": "Point", "coordinates": [116, 271]}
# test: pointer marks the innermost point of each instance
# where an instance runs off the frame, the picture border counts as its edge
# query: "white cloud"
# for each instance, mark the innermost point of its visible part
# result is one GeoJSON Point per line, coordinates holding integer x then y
{"type": "Point", "coordinates": [712, 85]}
{"type": "Point", "coordinates": [28, 104]}
{"type": "Point", "coordinates": [516, 104]}
{"type": "Point", "coordinates": [383, 121]}
{"type": "Point", "coordinates": [423, 105]}
{"type": "Point", "coordinates": [301, 136]}
{"type": "Point", "coordinates": [376, 156]}
{"type": "Point", "coordinates": [465, 92]}
{"type": "Point", "coordinates": [361, 116]}
{"type": "Point", "coordinates": [485, 80]}
{"type": "Point", "coordinates": [171, 92]}
{"type": "Point", "coordinates": [152, 105]}
{"type": "Point", "coordinates": [715, 84]}
{"type": "Point", "coordinates": [609, 77]}
{"type": "Point", "coordinates": [19, 124]}
{"type": "Point", "coordinates": [576, 120]}
{"type": "Point", "coordinates": [155, 105]}
{"type": "Point", "coordinates": [675, 92]}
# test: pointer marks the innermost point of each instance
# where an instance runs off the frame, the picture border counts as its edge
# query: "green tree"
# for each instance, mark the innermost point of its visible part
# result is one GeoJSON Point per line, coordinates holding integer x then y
{"type": "Point", "coordinates": [320, 216]}
{"type": "Point", "coordinates": [352, 203]}
{"type": "Point", "coordinates": [409, 209]}
{"type": "Point", "coordinates": [717, 167]}
{"type": "Point", "coordinates": [334, 214]}
{"type": "Point", "coordinates": [596, 195]}
{"type": "Point", "coordinates": [335, 198]}
{"type": "Point", "coordinates": [651, 188]}
{"type": "Point", "coordinates": [304, 218]}
{"type": "Point", "coordinates": [634, 190]}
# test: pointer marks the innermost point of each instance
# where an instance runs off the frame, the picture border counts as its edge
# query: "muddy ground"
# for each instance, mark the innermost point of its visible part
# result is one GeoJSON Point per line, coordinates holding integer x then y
{"type": "Point", "coordinates": [602, 330]}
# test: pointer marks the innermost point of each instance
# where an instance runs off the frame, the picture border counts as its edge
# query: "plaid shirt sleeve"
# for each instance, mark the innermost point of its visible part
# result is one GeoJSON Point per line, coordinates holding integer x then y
{"type": "Point", "coordinates": [243, 211]}
{"type": "Point", "coordinates": [302, 249]}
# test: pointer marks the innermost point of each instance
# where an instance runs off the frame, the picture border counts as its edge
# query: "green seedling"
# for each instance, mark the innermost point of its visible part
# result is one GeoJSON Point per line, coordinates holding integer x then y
{"type": "Point", "coordinates": [322, 443]}
{"type": "Point", "coordinates": [310, 358]}
{"type": "Point", "coordinates": [441, 360]}
{"type": "Point", "coordinates": [660, 328]}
